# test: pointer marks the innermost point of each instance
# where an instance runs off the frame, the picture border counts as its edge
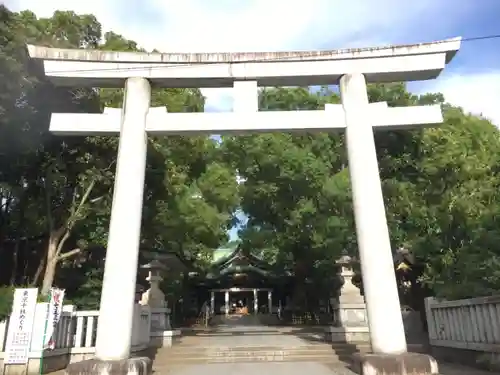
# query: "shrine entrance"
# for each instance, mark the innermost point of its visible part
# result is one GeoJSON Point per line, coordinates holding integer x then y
{"type": "Point", "coordinates": [241, 301]}
{"type": "Point", "coordinates": [241, 283]}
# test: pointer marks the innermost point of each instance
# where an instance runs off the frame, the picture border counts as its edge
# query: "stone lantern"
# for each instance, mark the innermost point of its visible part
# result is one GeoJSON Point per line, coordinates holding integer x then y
{"type": "Point", "coordinates": [349, 308]}
{"type": "Point", "coordinates": [349, 293]}
{"type": "Point", "coordinates": [154, 297]}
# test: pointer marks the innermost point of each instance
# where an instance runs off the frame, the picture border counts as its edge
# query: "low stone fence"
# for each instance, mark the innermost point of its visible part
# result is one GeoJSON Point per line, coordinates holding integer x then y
{"type": "Point", "coordinates": [75, 337]}
{"type": "Point", "coordinates": [465, 331]}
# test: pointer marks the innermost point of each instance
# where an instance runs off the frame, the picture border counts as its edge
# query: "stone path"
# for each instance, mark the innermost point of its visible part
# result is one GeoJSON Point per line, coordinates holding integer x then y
{"type": "Point", "coordinates": [243, 347]}
{"type": "Point", "coordinates": [449, 369]}
{"type": "Point", "coordinates": [260, 368]}
{"type": "Point", "coordinates": [295, 368]}
{"type": "Point", "coordinates": [246, 334]}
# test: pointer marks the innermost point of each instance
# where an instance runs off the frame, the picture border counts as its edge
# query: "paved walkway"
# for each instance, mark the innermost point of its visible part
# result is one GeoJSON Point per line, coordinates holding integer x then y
{"type": "Point", "coordinates": [246, 332]}
{"type": "Point", "coordinates": [236, 333]}
{"type": "Point", "coordinates": [295, 368]}
{"type": "Point", "coordinates": [261, 368]}
{"type": "Point", "coordinates": [245, 337]}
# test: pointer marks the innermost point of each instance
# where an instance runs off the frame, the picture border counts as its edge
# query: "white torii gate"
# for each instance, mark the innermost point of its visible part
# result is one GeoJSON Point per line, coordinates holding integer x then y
{"type": "Point", "coordinates": [355, 116]}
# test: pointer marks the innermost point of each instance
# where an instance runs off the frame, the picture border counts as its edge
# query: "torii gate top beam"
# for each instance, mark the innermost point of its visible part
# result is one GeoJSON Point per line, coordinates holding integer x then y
{"type": "Point", "coordinates": [78, 67]}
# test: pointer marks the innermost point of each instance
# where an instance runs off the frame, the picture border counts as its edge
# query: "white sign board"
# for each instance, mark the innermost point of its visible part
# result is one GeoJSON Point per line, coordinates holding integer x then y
{"type": "Point", "coordinates": [20, 328]}
{"type": "Point", "coordinates": [53, 317]}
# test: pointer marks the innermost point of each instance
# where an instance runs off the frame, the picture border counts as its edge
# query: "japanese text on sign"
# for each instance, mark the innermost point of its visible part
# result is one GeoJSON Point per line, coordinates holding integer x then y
{"type": "Point", "coordinates": [20, 327]}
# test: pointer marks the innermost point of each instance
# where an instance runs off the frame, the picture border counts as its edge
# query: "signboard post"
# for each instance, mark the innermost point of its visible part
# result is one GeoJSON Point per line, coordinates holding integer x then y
{"type": "Point", "coordinates": [53, 317]}
{"type": "Point", "coordinates": [20, 328]}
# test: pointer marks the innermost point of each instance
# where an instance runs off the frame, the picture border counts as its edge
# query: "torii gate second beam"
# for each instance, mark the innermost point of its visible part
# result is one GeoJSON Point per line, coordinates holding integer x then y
{"type": "Point", "coordinates": [160, 122]}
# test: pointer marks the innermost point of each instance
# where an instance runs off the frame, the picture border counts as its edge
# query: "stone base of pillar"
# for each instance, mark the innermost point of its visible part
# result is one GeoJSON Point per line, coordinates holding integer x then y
{"type": "Point", "coordinates": [355, 335]}
{"type": "Point", "coordinates": [394, 364]}
{"type": "Point", "coordinates": [129, 366]}
{"type": "Point", "coordinates": [162, 339]}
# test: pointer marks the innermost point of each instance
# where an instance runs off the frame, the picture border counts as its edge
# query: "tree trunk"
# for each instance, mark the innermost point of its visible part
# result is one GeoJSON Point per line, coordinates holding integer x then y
{"type": "Point", "coordinates": [14, 279]}
{"type": "Point", "coordinates": [48, 277]}
{"type": "Point", "coordinates": [40, 268]}
{"type": "Point", "coordinates": [51, 262]}
{"type": "Point", "coordinates": [58, 237]}
{"type": "Point", "coordinates": [15, 263]}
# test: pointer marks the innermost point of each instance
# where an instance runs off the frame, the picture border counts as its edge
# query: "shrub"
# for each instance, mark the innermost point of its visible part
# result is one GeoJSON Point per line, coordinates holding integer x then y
{"type": "Point", "coordinates": [6, 299]}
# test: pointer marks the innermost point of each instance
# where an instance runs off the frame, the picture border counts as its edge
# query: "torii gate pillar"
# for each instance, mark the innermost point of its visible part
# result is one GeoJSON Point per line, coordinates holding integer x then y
{"type": "Point", "coordinates": [372, 233]}
{"type": "Point", "coordinates": [116, 312]}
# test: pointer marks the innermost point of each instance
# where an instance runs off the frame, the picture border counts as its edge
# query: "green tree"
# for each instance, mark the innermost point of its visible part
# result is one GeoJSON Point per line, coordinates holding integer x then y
{"type": "Point", "coordinates": [440, 188]}
{"type": "Point", "coordinates": [56, 191]}
{"type": "Point", "coordinates": [440, 185]}
{"type": "Point", "coordinates": [448, 209]}
{"type": "Point", "coordinates": [296, 192]}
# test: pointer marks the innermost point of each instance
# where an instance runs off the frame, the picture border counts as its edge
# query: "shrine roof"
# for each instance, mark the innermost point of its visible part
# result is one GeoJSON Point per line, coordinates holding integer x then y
{"type": "Point", "coordinates": [240, 261]}
{"type": "Point", "coordinates": [239, 253]}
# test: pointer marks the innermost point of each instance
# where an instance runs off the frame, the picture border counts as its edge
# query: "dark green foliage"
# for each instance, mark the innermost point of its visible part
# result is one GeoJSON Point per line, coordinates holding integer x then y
{"type": "Point", "coordinates": [56, 191]}
{"type": "Point", "coordinates": [6, 299]}
{"type": "Point", "coordinates": [441, 186]}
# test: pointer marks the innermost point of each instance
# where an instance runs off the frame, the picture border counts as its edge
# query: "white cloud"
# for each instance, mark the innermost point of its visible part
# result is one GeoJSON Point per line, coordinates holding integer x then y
{"type": "Point", "coordinates": [477, 93]}
{"type": "Point", "coordinates": [244, 25]}
{"type": "Point", "coordinates": [251, 25]}
{"type": "Point", "coordinates": [238, 26]}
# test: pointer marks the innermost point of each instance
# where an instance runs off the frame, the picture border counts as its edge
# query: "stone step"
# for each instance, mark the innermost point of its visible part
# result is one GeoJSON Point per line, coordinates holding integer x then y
{"type": "Point", "coordinates": [261, 357]}
{"type": "Point", "coordinates": [251, 351]}
{"type": "Point", "coordinates": [201, 347]}
{"type": "Point", "coordinates": [338, 368]}
{"type": "Point", "coordinates": [208, 347]}
{"type": "Point", "coordinates": [211, 346]}
{"type": "Point", "coordinates": [197, 343]}
{"type": "Point", "coordinates": [332, 358]}
{"type": "Point", "coordinates": [312, 352]}
{"type": "Point", "coordinates": [159, 367]}
{"type": "Point", "coordinates": [203, 355]}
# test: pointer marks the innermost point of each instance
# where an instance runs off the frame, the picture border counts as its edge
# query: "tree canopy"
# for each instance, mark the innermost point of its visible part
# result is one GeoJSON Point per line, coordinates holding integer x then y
{"type": "Point", "coordinates": [56, 191]}
{"type": "Point", "coordinates": [441, 185]}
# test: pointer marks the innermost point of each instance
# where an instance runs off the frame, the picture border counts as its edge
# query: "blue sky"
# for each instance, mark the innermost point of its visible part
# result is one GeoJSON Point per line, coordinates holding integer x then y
{"type": "Point", "coordinates": [472, 80]}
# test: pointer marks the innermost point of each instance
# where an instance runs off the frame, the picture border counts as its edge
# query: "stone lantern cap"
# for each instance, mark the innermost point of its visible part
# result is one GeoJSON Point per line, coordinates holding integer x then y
{"type": "Point", "coordinates": [154, 265]}
{"type": "Point", "coordinates": [402, 254]}
{"type": "Point", "coordinates": [346, 259]}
